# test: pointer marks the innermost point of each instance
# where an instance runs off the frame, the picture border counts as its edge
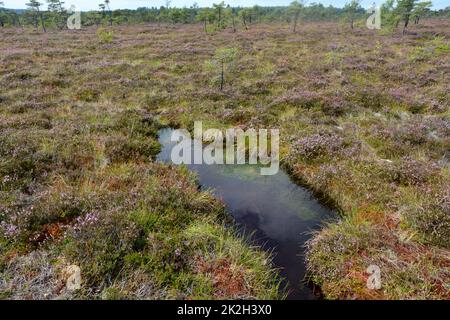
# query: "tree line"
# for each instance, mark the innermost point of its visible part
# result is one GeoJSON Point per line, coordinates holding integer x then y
{"type": "Point", "coordinates": [53, 14]}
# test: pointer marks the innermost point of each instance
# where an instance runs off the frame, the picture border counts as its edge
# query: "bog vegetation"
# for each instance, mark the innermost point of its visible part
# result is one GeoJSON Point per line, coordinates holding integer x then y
{"type": "Point", "coordinates": [53, 14]}
{"type": "Point", "coordinates": [364, 119]}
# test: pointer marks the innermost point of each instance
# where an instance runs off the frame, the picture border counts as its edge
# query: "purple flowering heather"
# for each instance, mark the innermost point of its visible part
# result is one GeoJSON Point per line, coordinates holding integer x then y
{"type": "Point", "coordinates": [9, 230]}
{"type": "Point", "coordinates": [299, 97]}
{"type": "Point", "coordinates": [87, 220]}
{"type": "Point", "coordinates": [318, 145]}
{"type": "Point", "coordinates": [414, 172]}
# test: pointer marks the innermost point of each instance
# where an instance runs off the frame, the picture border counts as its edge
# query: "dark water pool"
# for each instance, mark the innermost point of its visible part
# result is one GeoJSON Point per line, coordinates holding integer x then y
{"type": "Point", "coordinates": [280, 213]}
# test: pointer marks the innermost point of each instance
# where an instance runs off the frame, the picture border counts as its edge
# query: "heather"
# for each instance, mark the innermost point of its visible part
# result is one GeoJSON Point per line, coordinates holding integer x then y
{"type": "Point", "coordinates": [364, 124]}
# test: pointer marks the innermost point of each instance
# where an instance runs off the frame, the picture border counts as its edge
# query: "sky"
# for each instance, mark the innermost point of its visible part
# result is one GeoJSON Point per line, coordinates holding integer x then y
{"type": "Point", "coordinates": [133, 4]}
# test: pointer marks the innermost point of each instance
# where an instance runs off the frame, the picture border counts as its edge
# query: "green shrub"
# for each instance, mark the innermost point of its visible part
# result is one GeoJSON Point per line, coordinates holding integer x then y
{"type": "Point", "coordinates": [105, 36]}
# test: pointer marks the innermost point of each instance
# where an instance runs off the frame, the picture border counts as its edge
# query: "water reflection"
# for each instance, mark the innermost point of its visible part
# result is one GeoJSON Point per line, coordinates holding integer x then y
{"type": "Point", "coordinates": [279, 213]}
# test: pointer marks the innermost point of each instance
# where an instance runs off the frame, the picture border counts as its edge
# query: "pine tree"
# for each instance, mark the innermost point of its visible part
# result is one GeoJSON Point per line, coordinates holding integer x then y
{"type": "Point", "coordinates": [59, 14]}
{"type": "Point", "coordinates": [205, 16]}
{"type": "Point", "coordinates": [245, 15]}
{"type": "Point", "coordinates": [107, 2]}
{"type": "Point", "coordinates": [420, 9]}
{"type": "Point", "coordinates": [351, 8]}
{"type": "Point", "coordinates": [405, 9]}
{"type": "Point", "coordinates": [389, 15]}
{"type": "Point", "coordinates": [35, 11]}
{"type": "Point", "coordinates": [2, 22]}
{"type": "Point", "coordinates": [219, 9]}
{"type": "Point", "coordinates": [295, 9]}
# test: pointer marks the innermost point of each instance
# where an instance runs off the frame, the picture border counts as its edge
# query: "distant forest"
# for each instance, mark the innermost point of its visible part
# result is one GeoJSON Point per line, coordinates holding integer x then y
{"type": "Point", "coordinates": [53, 14]}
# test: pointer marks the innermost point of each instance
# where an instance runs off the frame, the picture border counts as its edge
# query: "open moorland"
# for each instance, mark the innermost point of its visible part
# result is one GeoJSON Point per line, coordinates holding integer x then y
{"type": "Point", "coordinates": [364, 121]}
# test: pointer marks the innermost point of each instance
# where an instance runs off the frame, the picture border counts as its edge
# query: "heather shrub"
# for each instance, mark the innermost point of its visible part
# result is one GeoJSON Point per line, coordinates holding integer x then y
{"type": "Point", "coordinates": [326, 250]}
{"type": "Point", "coordinates": [370, 98]}
{"type": "Point", "coordinates": [413, 132]}
{"type": "Point", "coordinates": [32, 276]}
{"type": "Point", "coordinates": [327, 172]}
{"type": "Point", "coordinates": [410, 172]}
{"type": "Point", "coordinates": [417, 107]}
{"type": "Point", "coordinates": [301, 98]}
{"type": "Point", "coordinates": [30, 156]}
{"type": "Point", "coordinates": [135, 285]}
{"type": "Point", "coordinates": [122, 148]}
{"type": "Point", "coordinates": [33, 224]}
{"type": "Point", "coordinates": [431, 217]}
{"type": "Point", "coordinates": [153, 99]}
{"type": "Point", "coordinates": [397, 140]}
{"type": "Point", "coordinates": [87, 95]}
{"type": "Point", "coordinates": [238, 115]}
{"type": "Point", "coordinates": [22, 107]}
{"type": "Point", "coordinates": [439, 127]}
{"type": "Point", "coordinates": [20, 159]}
{"type": "Point", "coordinates": [261, 87]}
{"type": "Point", "coordinates": [335, 107]}
{"type": "Point", "coordinates": [9, 231]}
{"type": "Point", "coordinates": [75, 154]}
{"type": "Point", "coordinates": [135, 122]}
{"type": "Point", "coordinates": [318, 146]}
{"type": "Point", "coordinates": [420, 54]}
{"type": "Point", "coordinates": [98, 241]}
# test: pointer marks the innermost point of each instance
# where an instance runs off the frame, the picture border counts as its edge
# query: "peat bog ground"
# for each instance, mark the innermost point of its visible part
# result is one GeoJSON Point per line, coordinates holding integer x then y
{"type": "Point", "coordinates": [364, 121]}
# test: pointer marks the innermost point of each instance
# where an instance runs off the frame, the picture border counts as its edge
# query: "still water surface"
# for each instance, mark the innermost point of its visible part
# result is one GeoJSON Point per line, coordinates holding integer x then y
{"type": "Point", "coordinates": [279, 213]}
